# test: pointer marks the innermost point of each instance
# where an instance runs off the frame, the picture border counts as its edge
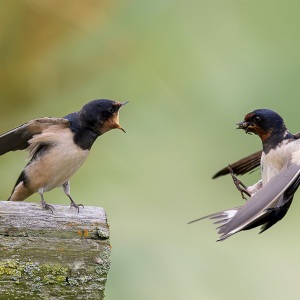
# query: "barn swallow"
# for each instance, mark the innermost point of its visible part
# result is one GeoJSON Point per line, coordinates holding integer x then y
{"type": "Point", "coordinates": [58, 147]}
{"type": "Point", "coordinates": [279, 163]}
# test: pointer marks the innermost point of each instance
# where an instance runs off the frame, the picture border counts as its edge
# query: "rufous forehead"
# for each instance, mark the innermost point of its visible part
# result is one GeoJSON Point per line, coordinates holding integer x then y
{"type": "Point", "coordinates": [249, 116]}
{"type": "Point", "coordinates": [118, 104]}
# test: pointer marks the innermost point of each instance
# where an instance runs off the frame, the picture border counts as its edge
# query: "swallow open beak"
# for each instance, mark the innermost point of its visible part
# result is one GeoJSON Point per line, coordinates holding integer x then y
{"type": "Point", "coordinates": [120, 127]}
{"type": "Point", "coordinates": [121, 105]}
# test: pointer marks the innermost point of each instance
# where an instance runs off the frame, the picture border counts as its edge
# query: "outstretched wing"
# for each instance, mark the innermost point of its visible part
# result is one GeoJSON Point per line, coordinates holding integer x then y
{"type": "Point", "coordinates": [263, 201]}
{"type": "Point", "coordinates": [265, 208]}
{"type": "Point", "coordinates": [17, 138]}
{"type": "Point", "coordinates": [242, 166]}
{"type": "Point", "coordinates": [246, 164]}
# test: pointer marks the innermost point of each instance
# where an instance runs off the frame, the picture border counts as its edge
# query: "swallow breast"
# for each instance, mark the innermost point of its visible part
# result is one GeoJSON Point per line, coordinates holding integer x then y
{"type": "Point", "coordinates": [274, 161]}
{"type": "Point", "coordinates": [56, 165]}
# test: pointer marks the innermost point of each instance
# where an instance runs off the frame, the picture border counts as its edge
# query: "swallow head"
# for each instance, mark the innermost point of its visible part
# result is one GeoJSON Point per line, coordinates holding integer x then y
{"type": "Point", "coordinates": [262, 122]}
{"type": "Point", "coordinates": [102, 115]}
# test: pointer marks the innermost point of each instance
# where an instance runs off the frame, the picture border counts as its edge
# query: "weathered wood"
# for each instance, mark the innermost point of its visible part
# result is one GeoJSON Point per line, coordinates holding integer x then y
{"type": "Point", "coordinates": [64, 255]}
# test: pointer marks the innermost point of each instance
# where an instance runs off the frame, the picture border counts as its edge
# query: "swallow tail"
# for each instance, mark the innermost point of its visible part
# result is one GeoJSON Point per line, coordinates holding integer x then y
{"type": "Point", "coordinates": [268, 206]}
{"type": "Point", "coordinates": [265, 208]}
{"type": "Point", "coordinates": [221, 218]}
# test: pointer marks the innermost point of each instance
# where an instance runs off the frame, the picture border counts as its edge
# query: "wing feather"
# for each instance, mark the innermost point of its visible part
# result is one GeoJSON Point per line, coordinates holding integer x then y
{"type": "Point", "coordinates": [265, 198]}
{"type": "Point", "coordinates": [17, 138]}
{"type": "Point", "coordinates": [242, 166]}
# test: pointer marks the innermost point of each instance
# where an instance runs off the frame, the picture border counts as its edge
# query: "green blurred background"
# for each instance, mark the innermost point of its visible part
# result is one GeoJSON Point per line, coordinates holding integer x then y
{"type": "Point", "coordinates": [191, 70]}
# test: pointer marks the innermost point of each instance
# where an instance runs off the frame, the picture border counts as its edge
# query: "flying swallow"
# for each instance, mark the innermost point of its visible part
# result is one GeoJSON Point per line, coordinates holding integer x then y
{"type": "Point", "coordinates": [279, 163]}
{"type": "Point", "coordinates": [58, 147]}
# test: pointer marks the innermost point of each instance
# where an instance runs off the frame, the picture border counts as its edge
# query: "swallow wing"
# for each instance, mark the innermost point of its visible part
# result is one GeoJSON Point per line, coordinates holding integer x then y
{"type": "Point", "coordinates": [242, 166]}
{"type": "Point", "coordinates": [268, 197]}
{"type": "Point", "coordinates": [17, 138]}
{"type": "Point", "coordinates": [265, 208]}
{"type": "Point", "coordinates": [246, 164]}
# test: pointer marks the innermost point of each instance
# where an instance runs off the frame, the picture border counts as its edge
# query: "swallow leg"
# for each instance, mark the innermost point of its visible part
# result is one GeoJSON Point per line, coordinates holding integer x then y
{"type": "Point", "coordinates": [239, 185]}
{"type": "Point", "coordinates": [66, 188]}
{"type": "Point", "coordinates": [44, 204]}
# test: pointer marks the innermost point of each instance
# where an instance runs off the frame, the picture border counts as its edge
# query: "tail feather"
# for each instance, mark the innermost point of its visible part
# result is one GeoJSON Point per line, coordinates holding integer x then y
{"type": "Point", "coordinates": [222, 218]}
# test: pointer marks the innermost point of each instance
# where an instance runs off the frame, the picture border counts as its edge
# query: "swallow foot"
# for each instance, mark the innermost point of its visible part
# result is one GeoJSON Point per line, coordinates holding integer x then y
{"type": "Point", "coordinates": [73, 204]}
{"type": "Point", "coordinates": [48, 207]}
{"type": "Point", "coordinates": [44, 204]}
{"type": "Point", "coordinates": [239, 185]}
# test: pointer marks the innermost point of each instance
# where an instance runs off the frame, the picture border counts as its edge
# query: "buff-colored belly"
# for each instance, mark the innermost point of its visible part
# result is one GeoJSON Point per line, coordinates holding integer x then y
{"type": "Point", "coordinates": [50, 168]}
{"type": "Point", "coordinates": [55, 168]}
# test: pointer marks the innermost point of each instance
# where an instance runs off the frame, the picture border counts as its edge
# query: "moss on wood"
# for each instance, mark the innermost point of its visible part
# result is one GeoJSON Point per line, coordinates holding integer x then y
{"type": "Point", "coordinates": [63, 257]}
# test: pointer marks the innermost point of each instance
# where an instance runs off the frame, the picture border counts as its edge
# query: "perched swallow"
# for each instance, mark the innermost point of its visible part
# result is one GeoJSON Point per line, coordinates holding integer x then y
{"type": "Point", "coordinates": [279, 163]}
{"type": "Point", "coordinates": [58, 147]}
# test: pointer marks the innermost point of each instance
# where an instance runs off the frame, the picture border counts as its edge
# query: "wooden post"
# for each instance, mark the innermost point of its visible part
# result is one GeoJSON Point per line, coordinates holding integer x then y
{"type": "Point", "coordinates": [64, 255]}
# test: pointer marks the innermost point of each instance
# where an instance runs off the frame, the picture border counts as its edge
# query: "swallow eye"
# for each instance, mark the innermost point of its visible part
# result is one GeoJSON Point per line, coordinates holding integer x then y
{"type": "Point", "coordinates": [257, 119]}
{"type": "Point", "coordinates": [110, 110]}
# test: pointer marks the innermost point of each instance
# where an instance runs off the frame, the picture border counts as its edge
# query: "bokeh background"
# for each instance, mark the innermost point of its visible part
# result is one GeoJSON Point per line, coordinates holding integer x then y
{"type": "Point", "coordinates": [191, 70]}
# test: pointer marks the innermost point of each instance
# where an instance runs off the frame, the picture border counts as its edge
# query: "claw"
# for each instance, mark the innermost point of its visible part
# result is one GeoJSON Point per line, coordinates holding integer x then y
{"type": "Point", "coordinates": [239, 185]}
{"type": "Point", "coordinates": [47, 206]}
{"type": "Point", "coordinates": [73, 204]}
